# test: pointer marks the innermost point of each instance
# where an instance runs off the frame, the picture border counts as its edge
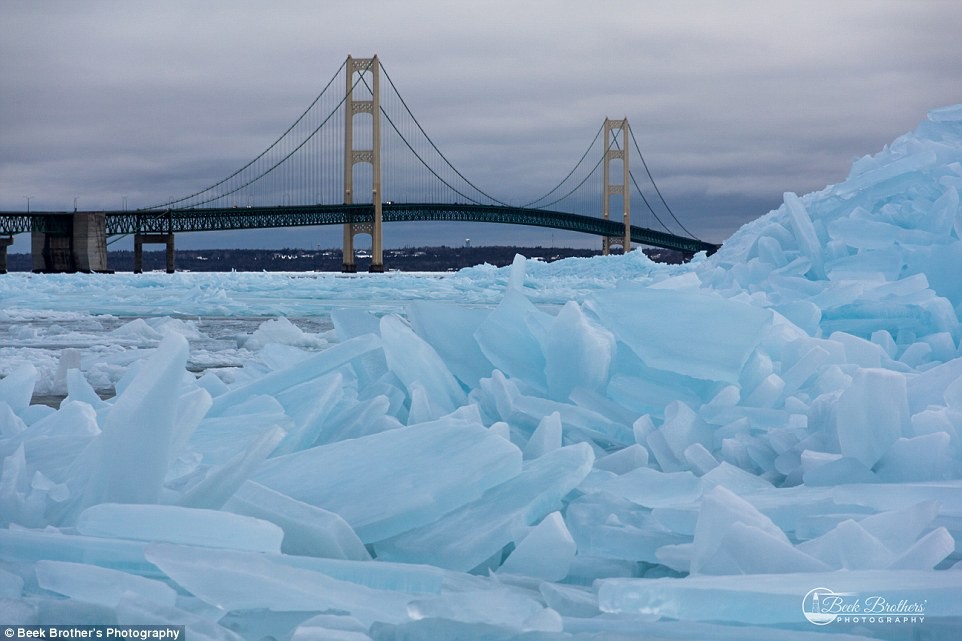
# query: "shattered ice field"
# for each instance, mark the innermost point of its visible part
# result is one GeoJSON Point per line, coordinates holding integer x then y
{"type": "Point", "coordinates": [590, 449]}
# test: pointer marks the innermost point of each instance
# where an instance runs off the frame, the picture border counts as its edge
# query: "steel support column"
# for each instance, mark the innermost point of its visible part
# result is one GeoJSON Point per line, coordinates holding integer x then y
{"type": "Point", "coordinates": [616, 148]}
{"type": "Point", "coordinates": [353, 156]}
{"type": "Point", "coordinates": [154, 239]}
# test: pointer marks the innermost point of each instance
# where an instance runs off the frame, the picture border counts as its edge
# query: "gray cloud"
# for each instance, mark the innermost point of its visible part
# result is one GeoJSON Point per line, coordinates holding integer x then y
{"type": "Point", "coordinates": [733, 103]}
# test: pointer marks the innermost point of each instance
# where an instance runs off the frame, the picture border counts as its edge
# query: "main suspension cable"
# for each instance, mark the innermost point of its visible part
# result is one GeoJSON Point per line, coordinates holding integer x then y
{"type": "Point", "coordinates": [578, 164]}
{"type": "Point", "coordinates": [263, 153]}
{"type": "Point", "coordinates": [655, 185]}
{"type": "Point", "coordinates": [428, 167]}
{"type": "Point", "coordinates": [614, 141]}
{"type": "Point", "coordinates": [435, 147]}
{"type": "Point", "coordinates": [288, 155]}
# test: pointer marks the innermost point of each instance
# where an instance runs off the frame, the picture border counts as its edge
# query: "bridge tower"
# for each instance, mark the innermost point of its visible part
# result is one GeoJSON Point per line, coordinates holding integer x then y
{"type": "Point", "coordinates": [353, 156]}
{"type": "Point", "coordinates": [616, 148]}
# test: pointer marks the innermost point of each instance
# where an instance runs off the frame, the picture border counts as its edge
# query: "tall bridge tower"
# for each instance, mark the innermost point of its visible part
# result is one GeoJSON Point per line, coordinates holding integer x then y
{"type": "Point", "coordinates": [616, 148]}
{"type": "Point", "coordinates": [372, 155]}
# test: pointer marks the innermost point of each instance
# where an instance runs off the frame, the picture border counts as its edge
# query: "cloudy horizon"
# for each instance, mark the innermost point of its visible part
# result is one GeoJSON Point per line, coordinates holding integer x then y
{"type": "Point", "coordinates": [733, 104]}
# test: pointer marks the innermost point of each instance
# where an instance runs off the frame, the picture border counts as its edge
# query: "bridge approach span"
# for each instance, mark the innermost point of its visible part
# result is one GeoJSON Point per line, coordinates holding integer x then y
{"type": "Point", "coordinates": [220, 219]}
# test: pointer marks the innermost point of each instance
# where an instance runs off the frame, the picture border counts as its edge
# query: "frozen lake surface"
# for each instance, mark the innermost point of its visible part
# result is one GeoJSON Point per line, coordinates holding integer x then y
{"type": "Point", "coordinates": [763, 444]}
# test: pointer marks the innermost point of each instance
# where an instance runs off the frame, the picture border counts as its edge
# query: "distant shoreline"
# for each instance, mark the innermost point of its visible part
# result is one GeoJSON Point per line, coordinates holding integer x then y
{"type": "Point", "coordinates": [437, 259]}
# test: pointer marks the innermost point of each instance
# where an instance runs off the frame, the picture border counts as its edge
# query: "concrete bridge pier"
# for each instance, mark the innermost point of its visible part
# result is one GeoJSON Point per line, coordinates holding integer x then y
{"type": "Point", "coordinates": [70, 243]}
{"type": "Point", "coordinates": [153, 239]}
{"type": "Point", "coordinates": [5, 241]}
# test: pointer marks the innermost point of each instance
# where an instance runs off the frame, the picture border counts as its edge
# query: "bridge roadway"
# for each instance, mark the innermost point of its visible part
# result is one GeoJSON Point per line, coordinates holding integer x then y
{"type": "Point", "coordinates": [233, 218]}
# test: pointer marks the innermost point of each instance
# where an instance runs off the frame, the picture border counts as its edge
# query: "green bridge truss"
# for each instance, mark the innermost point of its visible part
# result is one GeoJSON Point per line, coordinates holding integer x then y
{"type": "Point", "coordinates": [220, 219]}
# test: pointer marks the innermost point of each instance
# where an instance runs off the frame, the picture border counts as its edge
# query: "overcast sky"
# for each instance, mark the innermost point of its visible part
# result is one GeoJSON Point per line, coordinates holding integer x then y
{"type": "Point", "coordinates": [733, 103]}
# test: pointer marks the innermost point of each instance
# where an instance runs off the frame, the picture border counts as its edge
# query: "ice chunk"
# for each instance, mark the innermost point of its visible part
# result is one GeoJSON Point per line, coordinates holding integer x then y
{"type": "Point", "coordinates": [221, 438]}
{"type": "Point", "coordinates": [212, 383]}
{"type": "Point", "coordinates": [414, 361]}
{"type": "Point", "coordinates": [774, 598]}
{"type": "Point", "coordinates": [938, 262]}
{"type": "Point", "coordinates": [606, 527]}
{"type": "Point", "coordinates": [499, 606]}
{"type": "Point", "coordinates": [871, 414]}
{"type": "Point", "coordinates": [510, 338]}
{"type": "Point", "coordinates": [767, 392]}
{"type": "Point", "coordinates": [18, 504]}
{"type": "Point", "coordinates": [805, 235]}
{"type": "Point", "coordinates": [804, 368]}
{"type": "Point", "coordinates": [524, 410]}
{"type": "Point", "coordinates": [11, 585]}
{"type": "Point", "coordinates": [516, 276]}
{"type": "Point", "coordinates": [747, 549]}
{"type": "Point", "coordinates": [283, 332]}
{"type": "Point", "coordinates": [222, 481]}
{"type": "Point", "coordinates": [682, 427]}
{"type": "Point", "coordinates": [840, 470]}
{"type": "Point", "coordinates": [308, 530]}
{"type": "Point", "coordinates": [329, 627]}
{"type": "Point", "coordinates": [10, 423]}
{"type": "Point", "coordinates": [770, 251]}
{"type": "Point", "coordinates": [174, 524]}
{"type": "Point", "coordinates": [69, 360]}
{"type": "Point", "coordinates": [546, 437]}
{"type": "Point", "coordinates": [466, 537]}
{"type": "Point", "coordinates": [450, 330]}
{"type": "Point", "coordinates": [235, 580]}
{"type": "Point", "coordinates": [355, 419]}
{"type": "Point", "coordinates": [137, 331]}
{"type": "Point", "coordinates": [849, 546]}
{"type": "Point", "coordinates": [16, 388]}
{"type": "Point", "coordinates": [546, 552]}
{"type": "Point", "coordinates": [569, 600]}
{"type": "Point", "coordinates": [310, 405]}
{"type": "Point", "coordinates": [890, 496]}
{"type": "Point", "coordinates": [858, 350]}
{"type": "Point", "coordinates": [313, 367]}
{"type": "Point", "coordinates": [952, 114]}
{"type": "Point", "coordinates": [734, 478]}
{"type": "Point", "coordinates": [624, 460]}
{"type": "Point", "coordinates": [929, 551]}
{"type": "Point", "coordinates": [138, 431]}
{"type": "Point", "coordinates": [30, 546]}
{"type": "Point", "coordinates": [900, 528]}
{"type": "Point", "coordinates": [100, 586]}
{"type": "Point", "coordinates": [351, 322]}
{"type": "Point", "coordinates": [889, 178]}
{"type": "Point", "coordinates": [720, 510]}
{"type": "Point", "coordinates": [411, 476]}
{"type": "Point", "coordinates": [78, 389]}
{"type": "Point", "coordinates": [651, 488]}
{"type": "Point", "coordinates": [135, 610]}
{"type": "Point", "coordinates": [192, 406]}
{"type": "Point", "coordinates": [937, 386]}
{"type": "Point", "coordinates": [699, 458]}
{"type": "Point", "coordinates": [577, 352]}
{"type": "Point", "coordinates": [709, 337]}
{"type": "Point", "coordinates": [920, 458]}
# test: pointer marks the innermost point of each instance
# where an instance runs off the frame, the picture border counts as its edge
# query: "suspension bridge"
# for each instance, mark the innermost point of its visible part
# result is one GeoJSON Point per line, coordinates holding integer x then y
{"type": "Point", "coordinates": [358, 157]}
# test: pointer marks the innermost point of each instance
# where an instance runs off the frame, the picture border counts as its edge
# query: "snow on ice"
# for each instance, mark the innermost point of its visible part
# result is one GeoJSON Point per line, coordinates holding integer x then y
{"type": "Point", "coordinates": [589, 449]}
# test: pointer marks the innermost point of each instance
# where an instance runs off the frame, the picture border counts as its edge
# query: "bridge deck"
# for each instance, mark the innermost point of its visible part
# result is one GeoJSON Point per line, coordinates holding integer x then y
{"type": "Point", "coordinates": [220, 219]}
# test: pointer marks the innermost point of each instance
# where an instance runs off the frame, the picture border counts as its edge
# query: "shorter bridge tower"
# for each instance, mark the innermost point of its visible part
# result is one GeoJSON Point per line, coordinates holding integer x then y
{"type": "Point", "coordinates": [352, 156]}
{"type": "Point", "coordinates": [616, 148]}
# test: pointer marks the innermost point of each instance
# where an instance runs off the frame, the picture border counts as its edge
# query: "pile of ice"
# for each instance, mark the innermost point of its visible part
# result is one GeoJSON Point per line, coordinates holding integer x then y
{"type": "Point", "coordinates": [684, 456]}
